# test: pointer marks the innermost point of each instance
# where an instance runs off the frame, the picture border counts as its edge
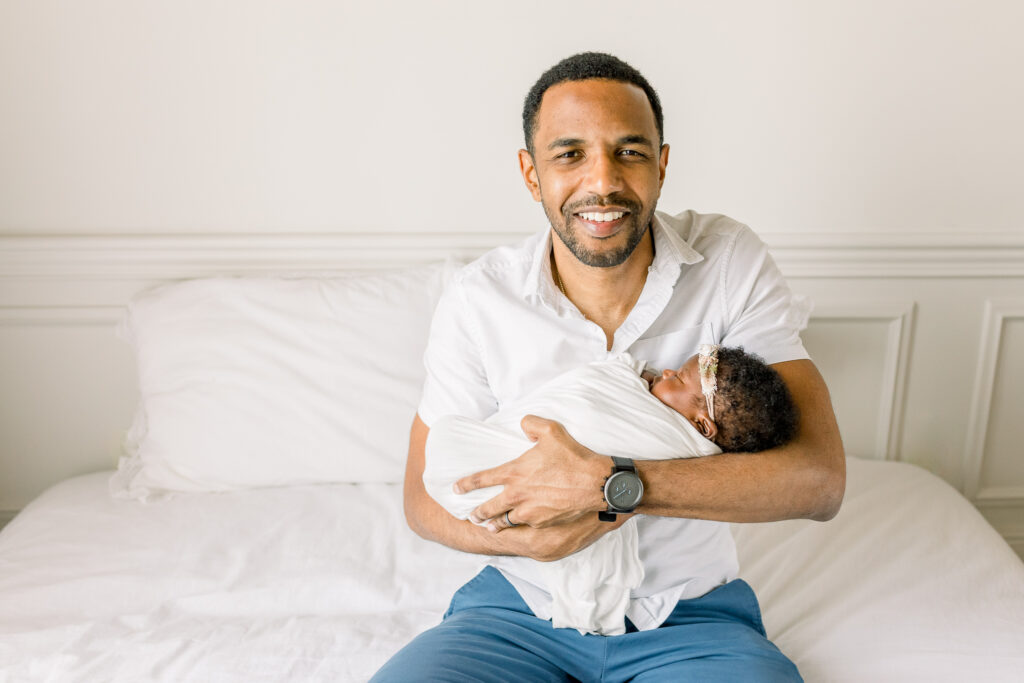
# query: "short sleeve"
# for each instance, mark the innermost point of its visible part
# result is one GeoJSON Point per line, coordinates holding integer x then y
{"type": "Point", "coordinates": [456, 383]}
{"type": "Point", "coordinates": [764, 319]}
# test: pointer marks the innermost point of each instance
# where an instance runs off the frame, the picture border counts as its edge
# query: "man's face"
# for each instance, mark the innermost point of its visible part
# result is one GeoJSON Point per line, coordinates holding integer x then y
{"type": "Point", "coordinates": [596, 167]}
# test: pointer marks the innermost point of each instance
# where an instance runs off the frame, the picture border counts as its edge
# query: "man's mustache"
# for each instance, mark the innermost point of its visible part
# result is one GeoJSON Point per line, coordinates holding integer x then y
{"type": "Point", "coordinates": [598, 201]}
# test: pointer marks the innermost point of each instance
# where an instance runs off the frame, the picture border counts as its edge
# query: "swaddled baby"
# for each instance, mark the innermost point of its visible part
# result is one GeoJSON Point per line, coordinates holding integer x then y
{"type": "Point", "coordinates": [616, 407]}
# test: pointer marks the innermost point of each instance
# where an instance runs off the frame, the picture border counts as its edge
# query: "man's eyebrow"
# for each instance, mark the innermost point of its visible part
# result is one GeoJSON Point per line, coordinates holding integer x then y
{"type": "Point", "coordinates": [624, 140]}
{"type": "Point", "coordinates": [635, 140]}
{"type": "Point", "coordinates": [566, 142]}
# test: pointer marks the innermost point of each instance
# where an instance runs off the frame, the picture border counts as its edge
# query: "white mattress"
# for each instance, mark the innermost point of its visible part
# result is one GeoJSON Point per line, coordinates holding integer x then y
{"type": "Point", "coordinates": [323, 583]}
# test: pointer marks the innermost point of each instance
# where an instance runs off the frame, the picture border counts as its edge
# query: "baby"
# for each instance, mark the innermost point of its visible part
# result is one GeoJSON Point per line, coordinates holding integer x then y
{"type": "Point", "coordinates": [722, 399]}
{"type": "Point", "coordinates": [755, 411]}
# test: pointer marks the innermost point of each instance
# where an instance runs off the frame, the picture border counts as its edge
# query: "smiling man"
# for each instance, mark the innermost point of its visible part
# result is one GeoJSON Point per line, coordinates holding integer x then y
{"type": "Point", "coordinates": [610, 275]}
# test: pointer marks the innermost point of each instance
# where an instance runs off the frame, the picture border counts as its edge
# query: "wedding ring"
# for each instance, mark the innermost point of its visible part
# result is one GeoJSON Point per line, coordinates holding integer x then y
{"type": "Point", "coordinates": [509, 521]}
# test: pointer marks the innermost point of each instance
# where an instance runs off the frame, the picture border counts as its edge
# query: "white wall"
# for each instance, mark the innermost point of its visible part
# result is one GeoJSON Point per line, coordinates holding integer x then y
{"type": "Point", "coordinates": [121, 116]}
{"type": "Point", "coordinates": [877, 147]}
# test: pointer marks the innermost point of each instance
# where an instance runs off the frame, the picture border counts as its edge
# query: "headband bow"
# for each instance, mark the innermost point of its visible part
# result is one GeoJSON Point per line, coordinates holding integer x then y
{"type": "Point", "coordinates": [707, 362]}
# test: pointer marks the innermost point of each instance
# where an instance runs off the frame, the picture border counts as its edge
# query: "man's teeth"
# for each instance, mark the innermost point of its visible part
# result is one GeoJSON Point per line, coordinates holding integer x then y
{"type": "Point", "coordinates": [596, 217]}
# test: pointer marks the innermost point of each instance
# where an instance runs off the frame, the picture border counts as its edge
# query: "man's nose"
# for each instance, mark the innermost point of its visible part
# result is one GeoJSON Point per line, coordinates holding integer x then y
{"type": "Point", "coordinates": [605, 176]}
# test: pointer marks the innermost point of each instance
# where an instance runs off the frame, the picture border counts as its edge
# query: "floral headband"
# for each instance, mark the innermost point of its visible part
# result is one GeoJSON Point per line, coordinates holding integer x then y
{"type": "Point", "coordinates": [707, 362]}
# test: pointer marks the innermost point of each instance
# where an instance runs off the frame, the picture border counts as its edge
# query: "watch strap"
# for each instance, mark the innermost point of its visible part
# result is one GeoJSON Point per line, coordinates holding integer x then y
{"type": "Point", "coordinates": [622, 465]}
{"type": "Point", "coordinates": [619, 464]}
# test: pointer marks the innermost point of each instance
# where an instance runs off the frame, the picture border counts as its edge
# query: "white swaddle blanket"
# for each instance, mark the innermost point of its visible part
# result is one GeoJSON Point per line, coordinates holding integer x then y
{"type": "Point", "coordinates": [606, 406]}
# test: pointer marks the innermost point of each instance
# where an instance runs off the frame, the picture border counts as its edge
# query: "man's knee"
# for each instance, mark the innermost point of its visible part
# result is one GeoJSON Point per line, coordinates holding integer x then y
{"type": "Point", "coordinates": [752, 668]}
{"type": "Point", "coordinates": [464, 648]}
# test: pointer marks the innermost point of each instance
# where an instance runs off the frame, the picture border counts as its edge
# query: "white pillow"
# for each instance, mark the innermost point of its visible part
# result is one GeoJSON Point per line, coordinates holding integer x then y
{"type": "Point", "coordinates": [261, 381]}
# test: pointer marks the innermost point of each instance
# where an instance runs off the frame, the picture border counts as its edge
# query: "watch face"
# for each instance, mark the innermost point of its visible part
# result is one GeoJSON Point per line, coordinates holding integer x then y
{"type": "Point", "coordinates": [623, 490]}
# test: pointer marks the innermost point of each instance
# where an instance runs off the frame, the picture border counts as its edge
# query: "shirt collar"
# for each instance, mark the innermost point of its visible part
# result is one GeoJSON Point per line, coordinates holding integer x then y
{"type": "Point", "coordinates": [671, 253]}
{"type": "Point", "coordinates": [539, 282]}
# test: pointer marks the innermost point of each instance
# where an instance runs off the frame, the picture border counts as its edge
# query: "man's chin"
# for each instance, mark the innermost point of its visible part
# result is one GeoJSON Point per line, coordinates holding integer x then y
{"type": "Point", "coordinates": [607, 251]}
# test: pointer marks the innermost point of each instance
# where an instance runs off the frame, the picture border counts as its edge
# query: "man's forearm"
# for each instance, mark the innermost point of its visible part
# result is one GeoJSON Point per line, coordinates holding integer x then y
{"type": "Point", "coordinates": [733, 487]}
{"type": "Point", "coordinates": [428, 518]}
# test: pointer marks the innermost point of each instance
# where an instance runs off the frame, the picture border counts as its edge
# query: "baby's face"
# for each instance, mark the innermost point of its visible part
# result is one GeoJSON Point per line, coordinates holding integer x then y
{"type": "Point", "coordinates": [680, 389]}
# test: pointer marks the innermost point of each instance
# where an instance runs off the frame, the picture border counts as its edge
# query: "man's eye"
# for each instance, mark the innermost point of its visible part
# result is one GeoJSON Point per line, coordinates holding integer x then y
{"type": "Point", "coordinates": [632, 153]}
{"type": "Point", "coordinates": [571, 154]}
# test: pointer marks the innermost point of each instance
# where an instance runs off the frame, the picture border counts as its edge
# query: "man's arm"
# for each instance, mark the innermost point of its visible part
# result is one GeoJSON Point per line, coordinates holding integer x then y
{"type": "Point", "coordinates": [806, 478]}
{"type": "Point", "coordinates": [428, 519]}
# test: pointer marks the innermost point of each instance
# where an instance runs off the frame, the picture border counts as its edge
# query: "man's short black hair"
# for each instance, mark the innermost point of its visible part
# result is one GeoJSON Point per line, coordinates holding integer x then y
{"type": "Point", "coordinates": [753, 408]}
{"type": "Point", "coordinates": [582, 67]}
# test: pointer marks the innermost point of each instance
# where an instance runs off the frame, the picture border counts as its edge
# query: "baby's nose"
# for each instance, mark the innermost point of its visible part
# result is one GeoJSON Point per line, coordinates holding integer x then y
{"type": "Point", "coordinates": [666, 373]}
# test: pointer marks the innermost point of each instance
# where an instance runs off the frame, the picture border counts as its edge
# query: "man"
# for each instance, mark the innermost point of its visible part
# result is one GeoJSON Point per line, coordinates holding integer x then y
{"type": "Point", "coordinates": [610, 275]}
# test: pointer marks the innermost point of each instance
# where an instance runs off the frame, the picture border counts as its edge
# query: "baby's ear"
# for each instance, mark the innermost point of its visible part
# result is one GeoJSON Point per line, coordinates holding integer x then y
{"type": "Point", "coordinates": [706, 425]}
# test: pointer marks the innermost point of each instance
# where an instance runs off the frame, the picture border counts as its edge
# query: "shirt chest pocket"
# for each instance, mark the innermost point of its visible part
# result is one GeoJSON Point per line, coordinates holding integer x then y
{"type": "Point", "coordinates": [671, 349]}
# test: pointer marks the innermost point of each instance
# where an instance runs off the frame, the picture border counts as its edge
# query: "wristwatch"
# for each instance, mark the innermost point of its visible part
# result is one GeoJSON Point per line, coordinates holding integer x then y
{"type": "Point", "coordinates": [622, 489]}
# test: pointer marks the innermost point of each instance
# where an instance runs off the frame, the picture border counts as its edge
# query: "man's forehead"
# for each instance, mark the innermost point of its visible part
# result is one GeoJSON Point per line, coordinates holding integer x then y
{"type": "Point", "coordinates": [580, 109]}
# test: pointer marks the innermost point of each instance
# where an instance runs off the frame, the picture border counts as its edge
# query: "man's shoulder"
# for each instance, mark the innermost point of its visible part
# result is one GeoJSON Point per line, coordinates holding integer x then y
{"type": "Point", "coordinates": [695, 228]}
{"type": "Point", "coordinates": [501, 259]}
{"type": "Point", "coordinates": [507, 263]}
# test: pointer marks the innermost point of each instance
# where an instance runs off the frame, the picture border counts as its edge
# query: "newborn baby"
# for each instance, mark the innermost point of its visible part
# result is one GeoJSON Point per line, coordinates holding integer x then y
{"type": "Point", "coordinates": [616, 407]}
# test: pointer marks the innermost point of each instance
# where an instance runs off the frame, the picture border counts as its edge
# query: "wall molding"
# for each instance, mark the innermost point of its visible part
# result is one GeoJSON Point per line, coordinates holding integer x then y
{"type": "Point", "coordinates": [997, 312]}
{"type": "Point", "coordinates": [900, 318]}
{"type": "Point", "coordinates": [1001, 495]}
{"type": "Point", "coordinates": [903, 255]}
{"type": "Point", "coordinates": [160, 256]}
{"type": "Point", "coordinates": [60, 315]}
{"type": "Point", "coordinates": [177, 256]}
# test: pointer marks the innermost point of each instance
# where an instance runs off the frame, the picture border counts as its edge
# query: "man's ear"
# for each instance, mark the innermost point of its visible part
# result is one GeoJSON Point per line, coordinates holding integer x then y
{"type": "Point", "coordinates": [529, 171]}
{"type": "Point", "coordinates": [706, 426]}
{"type": "Point", "coordinates": [662, 165]}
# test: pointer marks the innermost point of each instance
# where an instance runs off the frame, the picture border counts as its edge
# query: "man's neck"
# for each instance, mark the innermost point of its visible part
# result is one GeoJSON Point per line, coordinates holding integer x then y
{"type": "Point", "coordinates": [605, 296]}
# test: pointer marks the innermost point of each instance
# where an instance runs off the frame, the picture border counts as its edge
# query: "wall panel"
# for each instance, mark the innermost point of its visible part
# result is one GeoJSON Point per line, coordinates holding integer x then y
{"type": "Point", "coordinates": [863, 348]}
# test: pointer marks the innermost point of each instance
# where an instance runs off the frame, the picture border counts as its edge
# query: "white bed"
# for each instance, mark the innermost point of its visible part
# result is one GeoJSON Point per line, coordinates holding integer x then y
{"type": "Point", "coordinates": [257, 534]}
{"type": "Point", "coordinates": [907, 583]}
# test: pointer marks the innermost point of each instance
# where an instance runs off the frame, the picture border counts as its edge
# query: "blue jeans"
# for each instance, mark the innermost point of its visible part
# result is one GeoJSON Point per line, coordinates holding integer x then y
{"type": "Point", "coordinates": [489, 634]}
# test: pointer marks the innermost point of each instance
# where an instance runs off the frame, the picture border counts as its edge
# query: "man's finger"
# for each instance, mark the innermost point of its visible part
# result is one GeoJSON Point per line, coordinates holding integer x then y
{"type": "Point", "coordinates": [502, 522]}
{"type": "Point", "coordinates": [496, 476]}
{"type": "Point", "coordinates": [492, 509]}
{"type": "Point", "coordinates": [534, 426]}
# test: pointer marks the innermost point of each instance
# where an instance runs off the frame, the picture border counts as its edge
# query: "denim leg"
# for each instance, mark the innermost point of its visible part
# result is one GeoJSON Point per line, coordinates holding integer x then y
{"type": "Point", "coordinates": [488, 634]}
{"type": "Point", "coordinates": [717, 637]}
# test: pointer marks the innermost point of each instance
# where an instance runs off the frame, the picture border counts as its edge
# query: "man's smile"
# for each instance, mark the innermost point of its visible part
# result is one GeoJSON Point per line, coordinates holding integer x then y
{"type": "Point", "coordinates": [602, 222]}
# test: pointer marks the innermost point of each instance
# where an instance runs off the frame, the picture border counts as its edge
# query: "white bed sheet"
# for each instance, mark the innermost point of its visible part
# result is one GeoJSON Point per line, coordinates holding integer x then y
{"type": "Point", "coordinates": [324, 583]}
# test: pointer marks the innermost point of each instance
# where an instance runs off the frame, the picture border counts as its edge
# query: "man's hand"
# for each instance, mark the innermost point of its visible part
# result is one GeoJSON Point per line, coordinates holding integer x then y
{"type": "Point", "coordinates": [558, 541]}
{"type": "Point", "coordinates": [556, 483]}
{"type": "Point", "coordinates": [427, 518]}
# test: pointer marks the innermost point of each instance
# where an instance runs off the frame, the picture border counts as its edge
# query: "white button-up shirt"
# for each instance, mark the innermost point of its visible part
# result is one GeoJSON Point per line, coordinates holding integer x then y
{"type": "Point", "coordinates": [502, 329]}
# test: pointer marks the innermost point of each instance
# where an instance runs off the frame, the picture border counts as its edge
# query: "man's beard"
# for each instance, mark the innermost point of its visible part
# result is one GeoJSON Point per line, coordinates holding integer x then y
{"type": "Point", "coordinates": [635, 228]}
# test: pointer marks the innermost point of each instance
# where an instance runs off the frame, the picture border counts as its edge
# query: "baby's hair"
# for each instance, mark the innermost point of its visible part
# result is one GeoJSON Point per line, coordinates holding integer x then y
{"type": "Point", "coordinates": [753, 408]}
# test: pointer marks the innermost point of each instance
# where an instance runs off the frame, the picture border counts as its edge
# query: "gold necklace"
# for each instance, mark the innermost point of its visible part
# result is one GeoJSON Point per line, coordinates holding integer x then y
{"type": "Point", "coordinates": [561, 286]}
{"type": "Point", "coordinates": [558, 276]}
